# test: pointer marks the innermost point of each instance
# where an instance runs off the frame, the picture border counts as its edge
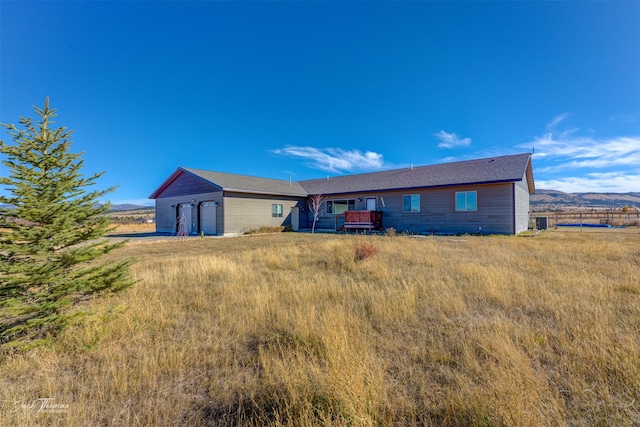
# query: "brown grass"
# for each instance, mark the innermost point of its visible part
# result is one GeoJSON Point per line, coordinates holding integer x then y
{"type": "Point", "coordinates": [265, 229]}
{"type": "Point", "coordinates": [290, 329]}
{"type": "Point", "coordinates": [134, 228]}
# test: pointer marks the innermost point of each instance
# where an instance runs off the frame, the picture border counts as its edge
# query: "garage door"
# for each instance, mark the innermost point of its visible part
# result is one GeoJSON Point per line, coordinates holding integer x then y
{"type": "Point", "coordinates": [208, 218]}
{"type": "Point", "coordinates": [184, 219]}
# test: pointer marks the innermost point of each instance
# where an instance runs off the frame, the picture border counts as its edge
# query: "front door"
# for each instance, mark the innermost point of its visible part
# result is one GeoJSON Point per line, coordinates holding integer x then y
{"type": "Point", "coordinates": [372, 203]}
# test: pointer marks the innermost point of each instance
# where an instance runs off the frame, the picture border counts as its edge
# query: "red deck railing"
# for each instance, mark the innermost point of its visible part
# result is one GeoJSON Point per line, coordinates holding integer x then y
{"type": "Point", "coordinates": [356, 220]}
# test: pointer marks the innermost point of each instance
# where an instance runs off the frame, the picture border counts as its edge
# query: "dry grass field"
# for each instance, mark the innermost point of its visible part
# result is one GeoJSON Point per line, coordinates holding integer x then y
{"type": "Point", "coordinates": [293, 329]}
{"type": "Point", "coordinates": [134, 228]}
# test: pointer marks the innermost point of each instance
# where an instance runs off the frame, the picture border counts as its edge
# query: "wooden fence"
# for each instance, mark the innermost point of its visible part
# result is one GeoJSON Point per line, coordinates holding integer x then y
{"type": "Point", "coordinates": [592, 217]}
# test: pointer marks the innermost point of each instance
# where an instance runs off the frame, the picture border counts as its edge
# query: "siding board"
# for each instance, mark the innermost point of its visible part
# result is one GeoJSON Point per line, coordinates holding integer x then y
{"type": "Point", "coordinates": [522, 210]}
{"type": "Point", "coordinates": [243, 212]}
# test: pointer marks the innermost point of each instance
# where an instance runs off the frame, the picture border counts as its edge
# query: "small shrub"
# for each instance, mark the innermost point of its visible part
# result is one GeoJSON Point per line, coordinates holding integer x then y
{"type": "Point", "coordinates": [364, 251]}
{"type": "Point", "coordinates": [265, 229]}
{"type": "Point", "coordinates": [341, 257]}
{"type": "Point", "coordinates": [272, 261]}
{"type": "Point", "coordinates": [391, 232]}
{"type": "Point", "coordinates": [337, 256]}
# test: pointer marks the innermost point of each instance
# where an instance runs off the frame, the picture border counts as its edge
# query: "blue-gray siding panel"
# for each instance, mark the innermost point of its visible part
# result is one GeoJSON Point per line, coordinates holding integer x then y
{"type": "Point", "coordinates": [246, 211]}
{"type": "Point", "coordinates": [437, 214]}
{"type": "Point", "coordinates": [186, 184]}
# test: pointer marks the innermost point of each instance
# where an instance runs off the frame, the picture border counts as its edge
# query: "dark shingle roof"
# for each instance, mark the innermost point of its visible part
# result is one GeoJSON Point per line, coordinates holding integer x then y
{"type": "Point", "coordinates": [489, 170]}
{"type": "Point", "coordinates": [249, 184]}
{"type": "Point", "coordinates": [481, 171]}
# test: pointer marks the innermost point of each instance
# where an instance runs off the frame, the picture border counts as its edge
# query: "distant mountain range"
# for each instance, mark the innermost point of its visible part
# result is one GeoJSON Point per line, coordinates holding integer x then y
{"type": "Point", "coordinates": [551, 199]}
{"type": "Point", "coordinates": [114, 208]}
{"type": "Point", "coordinates": [129, 207]}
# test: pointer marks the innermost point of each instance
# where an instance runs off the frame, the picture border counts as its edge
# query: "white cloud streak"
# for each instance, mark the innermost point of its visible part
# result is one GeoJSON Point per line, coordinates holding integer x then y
{"type": "Point", "coordinates": [587, 153]}
{"type": "Point", "coordinates": [335, 160]}
{"type": "Point", "coordinates": [596, 183]}
{"type": "Point", "coordinates": [451, 140]}
{"type": "Point", "coordinates": [557, 120]}
{"type": "Point", "coordinates": [565, 161]}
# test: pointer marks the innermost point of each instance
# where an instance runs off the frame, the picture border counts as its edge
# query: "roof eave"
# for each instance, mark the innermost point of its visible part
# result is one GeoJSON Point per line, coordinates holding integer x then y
{"type": "Point", "coordinates": [529, 174]}
{"type": "Point", "coordinates": [267, 193]}
{"type": "Point", "coordinates": [166, 183]}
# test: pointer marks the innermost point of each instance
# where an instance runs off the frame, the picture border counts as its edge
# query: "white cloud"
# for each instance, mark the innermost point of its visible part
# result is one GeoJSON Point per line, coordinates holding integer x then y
{"type": "Point", "coordinates": [597, 183]}
{"type": "Point", "coordinates": [566, 161]}
{"type": "Point", "coordinates": [556, 120]}
{"type": "Point", "coordinates": [587, 152]}
{"type": "Point", "coordinates": [334, 160]}
{"type": "Point", "coordinates": [451, 140]}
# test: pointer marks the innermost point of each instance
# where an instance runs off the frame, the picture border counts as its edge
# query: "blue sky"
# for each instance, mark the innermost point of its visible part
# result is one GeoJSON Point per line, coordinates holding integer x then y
{"type": "Point", "coordinates": [305, 89]}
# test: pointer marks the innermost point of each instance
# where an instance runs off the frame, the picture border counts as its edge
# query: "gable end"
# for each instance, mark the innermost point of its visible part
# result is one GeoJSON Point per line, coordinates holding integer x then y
{"type": "Point", "coordinates": [182, 182]}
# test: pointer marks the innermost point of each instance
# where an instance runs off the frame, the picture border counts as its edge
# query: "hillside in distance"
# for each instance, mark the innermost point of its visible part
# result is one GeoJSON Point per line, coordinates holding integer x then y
{"type": "Point", "coordinates": [552, 199]}
{"type": "Point", "coordinates": [113, 208]}
{"type": "Point", "coordinates": [129, 207]}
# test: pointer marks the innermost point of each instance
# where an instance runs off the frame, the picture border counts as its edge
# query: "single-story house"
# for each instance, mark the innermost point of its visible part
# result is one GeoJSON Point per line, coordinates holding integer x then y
{"type": "Point", "coordinates": [488, 195]}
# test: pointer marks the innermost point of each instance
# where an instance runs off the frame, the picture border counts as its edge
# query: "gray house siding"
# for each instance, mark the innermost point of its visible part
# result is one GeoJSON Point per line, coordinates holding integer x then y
{"type": "Point", "coordinates": [437, 210]}
{"type": "Point", "coordinates": [246, 211]}
{"type": "Point", "coordinates": [185, 188]}
{"type": "Point", "coordinates": [167, 211]}
{"type": "Point", "coordinates": [521, 196]}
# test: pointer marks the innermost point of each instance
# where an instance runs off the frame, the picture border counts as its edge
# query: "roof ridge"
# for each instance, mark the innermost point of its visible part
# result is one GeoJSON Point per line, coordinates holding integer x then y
{"type": "Point", "coordinates": [236, 174]}
{"type": "Point", "coordinates": [418, 167]}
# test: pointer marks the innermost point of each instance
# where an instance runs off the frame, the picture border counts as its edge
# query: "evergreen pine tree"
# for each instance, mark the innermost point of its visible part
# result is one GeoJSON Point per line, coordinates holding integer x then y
{"type": "Point", "coordinates": [50, 232]}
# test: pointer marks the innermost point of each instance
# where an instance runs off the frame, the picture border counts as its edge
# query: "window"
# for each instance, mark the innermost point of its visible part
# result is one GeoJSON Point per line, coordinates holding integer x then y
{"type": "Point", "coordinates": [411, 203]}
{"type": "Point", "coordinates": [340, 206]}
{"type": "Point", "coordinates": [466, 201]}
{"type": "Point", "coordinates": [276, 211]}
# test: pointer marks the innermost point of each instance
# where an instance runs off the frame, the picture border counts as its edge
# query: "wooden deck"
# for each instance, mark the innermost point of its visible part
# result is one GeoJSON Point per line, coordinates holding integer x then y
{"type": "Point", "coordinates": [359, 220]}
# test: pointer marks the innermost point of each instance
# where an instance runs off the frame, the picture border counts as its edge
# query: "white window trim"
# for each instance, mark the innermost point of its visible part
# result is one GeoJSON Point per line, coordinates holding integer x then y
{"type": "Point", "coordinates": [465, 201]}
{"type": "Point", "coordinates": [278, 212]}
{"type": "Point", "coordinates": [411, 203]}
{"type": "Point", "coordinates": [333, 205]}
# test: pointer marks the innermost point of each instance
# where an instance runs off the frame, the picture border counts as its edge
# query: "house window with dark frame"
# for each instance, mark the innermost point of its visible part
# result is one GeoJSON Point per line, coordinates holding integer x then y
{"type": "Point", "coordinates": [466, 201]}
{"type": "Point", "coordinates": [340, 206]}
{"type": "Point", "coordinates": [411, 203]}
{"type": "Point", "coordinates": [276, 210]}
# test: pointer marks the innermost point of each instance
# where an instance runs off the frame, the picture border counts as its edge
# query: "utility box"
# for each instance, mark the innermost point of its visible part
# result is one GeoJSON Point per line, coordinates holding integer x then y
{"type": "Point", "coordinates": [542, 223]}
